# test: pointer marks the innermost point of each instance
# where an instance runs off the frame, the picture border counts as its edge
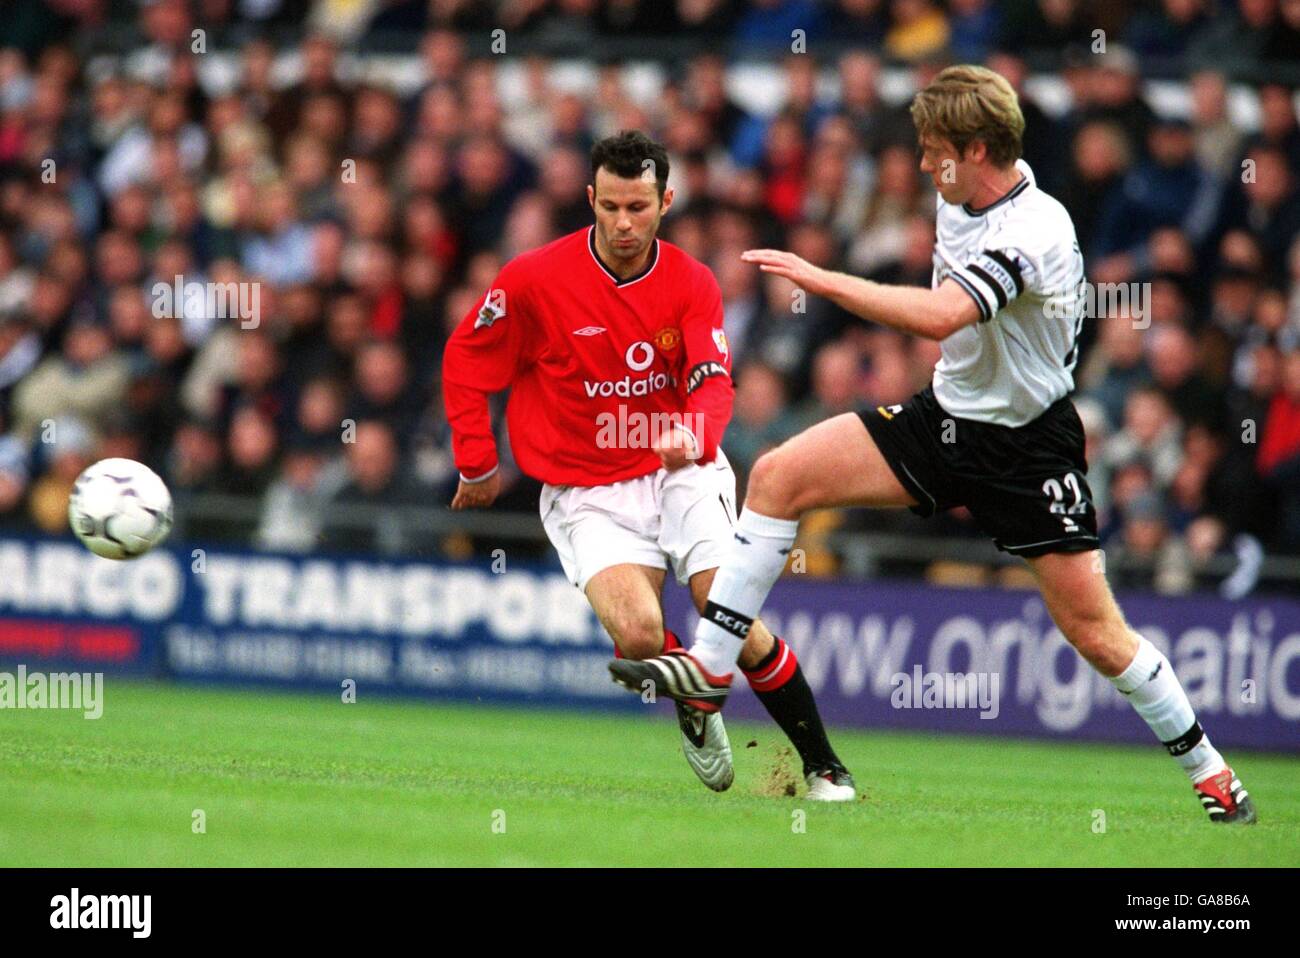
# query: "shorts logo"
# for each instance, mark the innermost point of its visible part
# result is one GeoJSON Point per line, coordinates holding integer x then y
{"type": "Point", "coordinates": [493, 308]}
{"type": "Point", "coordinates": [1058, 491]}
{"type": "Point", "coordinates": [889, 413]}
{"type": "Point", "coordinates": [668, 339]}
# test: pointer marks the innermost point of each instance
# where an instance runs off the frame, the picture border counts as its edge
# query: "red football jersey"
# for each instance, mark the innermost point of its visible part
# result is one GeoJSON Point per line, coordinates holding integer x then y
{"type": "Point", "coordinates": [597, 366]}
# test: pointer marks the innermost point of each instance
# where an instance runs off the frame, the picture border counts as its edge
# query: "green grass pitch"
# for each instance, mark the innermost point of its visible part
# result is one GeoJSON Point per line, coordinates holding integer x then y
{"type": "Point", "coordinates": [296, 779]}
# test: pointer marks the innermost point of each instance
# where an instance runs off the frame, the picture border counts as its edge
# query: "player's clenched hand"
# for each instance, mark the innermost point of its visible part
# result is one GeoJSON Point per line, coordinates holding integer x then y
{"type": "Point", "coordinates": [477, 495]}
{"type": "Point", "coordinates": [674, 449]}
{"type": "Point", "coordinates": [799, 271]}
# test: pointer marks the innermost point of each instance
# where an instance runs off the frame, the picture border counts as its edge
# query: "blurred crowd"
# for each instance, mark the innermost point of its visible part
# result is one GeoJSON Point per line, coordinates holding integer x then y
{"type": "Point", "coordinates": [372, 220]}
{"type": "Point", "coordinates": [1172, 37]}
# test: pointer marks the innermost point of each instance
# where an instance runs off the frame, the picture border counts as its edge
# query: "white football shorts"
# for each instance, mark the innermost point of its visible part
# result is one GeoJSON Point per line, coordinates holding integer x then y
{"type": "Point", "coordinates": [667, 520]}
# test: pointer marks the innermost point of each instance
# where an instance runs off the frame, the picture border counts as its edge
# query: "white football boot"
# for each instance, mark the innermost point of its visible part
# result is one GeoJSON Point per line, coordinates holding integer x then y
{"type": "Point", "coordinates": [833, 784]}
{"type": "Point", "coordinates": [705, 745]}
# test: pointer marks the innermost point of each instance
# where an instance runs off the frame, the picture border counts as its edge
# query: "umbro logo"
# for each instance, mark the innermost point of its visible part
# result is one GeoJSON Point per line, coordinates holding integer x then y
{"type": "Point", "coordinates": [589, 331]}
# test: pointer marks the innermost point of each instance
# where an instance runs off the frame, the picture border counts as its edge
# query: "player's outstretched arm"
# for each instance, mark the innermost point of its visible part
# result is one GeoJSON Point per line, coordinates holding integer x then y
{"type": "Point", "coordinates": [929, 313]}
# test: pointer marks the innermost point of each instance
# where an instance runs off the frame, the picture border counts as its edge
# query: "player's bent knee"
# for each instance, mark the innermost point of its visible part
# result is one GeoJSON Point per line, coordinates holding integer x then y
{"type": "Point", "coordinates": [770, 490]}
{"type": "Point", "coordinates": [638, 637]}
{"type": "Point", "coordinates": [1097, 641]}
{"type": "Point", "coordinates": [765, 478]}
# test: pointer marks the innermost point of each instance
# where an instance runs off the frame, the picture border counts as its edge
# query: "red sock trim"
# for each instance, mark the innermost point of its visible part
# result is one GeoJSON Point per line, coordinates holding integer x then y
{"type": "Point", "coordinates": [670, 642]}
{"type": "Point", "coordinates": [775, 674]}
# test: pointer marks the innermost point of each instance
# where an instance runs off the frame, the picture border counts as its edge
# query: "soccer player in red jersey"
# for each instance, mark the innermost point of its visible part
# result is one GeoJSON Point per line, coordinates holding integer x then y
{"type": "Point", "coordinates": [612, 344]}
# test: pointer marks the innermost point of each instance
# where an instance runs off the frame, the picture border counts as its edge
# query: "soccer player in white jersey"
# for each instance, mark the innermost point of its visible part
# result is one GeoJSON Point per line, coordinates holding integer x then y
{"type": "Point", "coordinates": [1006, 306]}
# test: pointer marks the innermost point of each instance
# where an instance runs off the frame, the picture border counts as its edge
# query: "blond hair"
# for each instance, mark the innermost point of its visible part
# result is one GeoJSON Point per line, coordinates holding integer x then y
{"type": "Point", "coordinates": [968, 103]}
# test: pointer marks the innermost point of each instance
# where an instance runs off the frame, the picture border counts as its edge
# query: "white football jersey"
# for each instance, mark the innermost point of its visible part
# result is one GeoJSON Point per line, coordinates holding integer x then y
{"type": "Point", "coordinates": [1019, 260]}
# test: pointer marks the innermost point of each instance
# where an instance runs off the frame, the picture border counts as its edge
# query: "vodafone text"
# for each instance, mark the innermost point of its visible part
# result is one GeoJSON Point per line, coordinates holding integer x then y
{"type": "Point", "coordinates": [627, 386]}
{"type": "Point", "coordinates": [639, 357]}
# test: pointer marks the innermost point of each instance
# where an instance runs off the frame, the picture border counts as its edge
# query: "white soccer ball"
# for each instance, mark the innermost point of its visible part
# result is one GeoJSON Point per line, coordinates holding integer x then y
{"type": "Point", "coordinates": [120, 509]}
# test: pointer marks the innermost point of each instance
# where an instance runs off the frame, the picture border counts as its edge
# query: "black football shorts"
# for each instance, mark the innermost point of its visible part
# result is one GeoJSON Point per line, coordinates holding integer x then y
{"type": "Point", "coordinates": [1025, 485]}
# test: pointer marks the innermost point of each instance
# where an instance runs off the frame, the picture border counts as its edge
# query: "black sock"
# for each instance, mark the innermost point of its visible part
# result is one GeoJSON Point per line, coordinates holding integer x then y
{"type": "Point", "coordinates": [779, 683]}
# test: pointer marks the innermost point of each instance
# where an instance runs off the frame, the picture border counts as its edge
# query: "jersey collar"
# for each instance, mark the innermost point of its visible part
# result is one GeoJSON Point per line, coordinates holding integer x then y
{"type": "Point", "coordinates": [1006, 197]}
{"type": "Point", "coordinates": [649, 266]}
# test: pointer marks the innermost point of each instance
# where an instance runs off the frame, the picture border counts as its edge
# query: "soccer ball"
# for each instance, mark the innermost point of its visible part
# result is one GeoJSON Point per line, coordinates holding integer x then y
{"type": "Point", "coordinates": [120, 509]}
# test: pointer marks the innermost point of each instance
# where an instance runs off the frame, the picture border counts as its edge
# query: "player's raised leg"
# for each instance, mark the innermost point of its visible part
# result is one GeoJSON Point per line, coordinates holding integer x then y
{"type": "Point", "coordinates": [773, 672]}
{"type": "Point", "coordinates": [1079, 599]}
{"type": "Point", "coordinates": [834, 463]}
{"type": "Point", "coordinates": [626, 600]}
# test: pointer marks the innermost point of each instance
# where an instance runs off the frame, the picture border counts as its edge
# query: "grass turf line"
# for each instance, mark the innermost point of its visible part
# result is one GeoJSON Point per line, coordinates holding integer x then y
{"type": "Point", "coordinates": [299, 779]}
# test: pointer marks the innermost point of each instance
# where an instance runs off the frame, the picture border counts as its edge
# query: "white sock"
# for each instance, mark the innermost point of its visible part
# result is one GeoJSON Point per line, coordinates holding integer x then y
{"type": "Point", "coordinates": [1157, 695]}
{"type": "Point", "coordinates": [752, 565]}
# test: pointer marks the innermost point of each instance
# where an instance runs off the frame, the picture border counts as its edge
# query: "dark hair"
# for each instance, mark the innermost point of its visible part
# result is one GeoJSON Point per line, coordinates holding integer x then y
{"type": "Point", "coordinates": [625, 154]}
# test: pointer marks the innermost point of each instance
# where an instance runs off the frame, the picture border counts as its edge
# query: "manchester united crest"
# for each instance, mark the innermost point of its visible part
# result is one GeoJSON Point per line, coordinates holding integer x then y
{"type": "Point", "coordinates": [668, 339]}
